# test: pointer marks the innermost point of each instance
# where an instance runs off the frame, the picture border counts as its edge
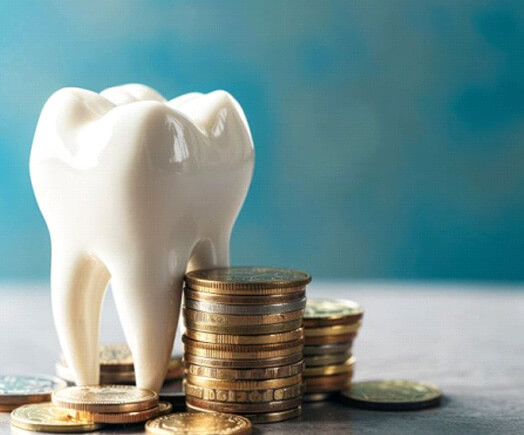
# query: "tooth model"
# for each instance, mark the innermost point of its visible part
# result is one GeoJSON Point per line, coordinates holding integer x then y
{"type": "Point", "coordinates": [135, 190]}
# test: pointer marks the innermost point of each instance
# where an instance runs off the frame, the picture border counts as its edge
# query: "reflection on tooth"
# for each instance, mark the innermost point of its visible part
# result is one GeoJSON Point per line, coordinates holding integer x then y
{"type": "Point", "coordinates": [137, 190]}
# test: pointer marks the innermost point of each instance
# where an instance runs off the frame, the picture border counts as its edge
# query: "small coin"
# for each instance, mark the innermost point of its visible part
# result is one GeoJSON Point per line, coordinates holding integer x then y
{"type": "Point", "coordinates": [327, 349]}
{"type": "Point", "coordinates": [243, 364]}
{"type": "Point", "coordinates": [333, 330]}
{"type": "Point", "coordinates": [105, 398]}
{"type": "Point", "coordinates": [22, 389]}
{"type": "Point", "coordinates": [326, 360]}
{"type": "Point", "coordinates": [243, 385]}
{"type": "Point", "coordinates": [238, 320]}
{"type": "Point", "coordinates": [329, 370]}
{"type": "Point", "coordinates": [255, 355]}
{"type": "Point", "coordinates": [243, 396]}
{"type": "Point", "coordinates": [46, 417]}
{"type": "Point", "coordinates": [280, 405]}
{"type": "Point", "coordinates": [297, 334]}
{"type": "Point", "coordinates": [125, 417]}
{"type": "Point", "coordinates": [268, 417]}
{"type": "Point", "coordinates": [254, 373]}
{"type": "Point", "coordinates": [273, 328]}
{"type": "Point", "coordinates": [244, 300]}
{"type": "Point", "coordinates": [328, 312]}
{"type": "Point", "coordinates": [393, 395]}
{"type": "Point", "coordinates": [199, 423]}
{"type": "Point", "coordinates": [330, 339]}
{"type": "Point", "coordinates": [245, 310]}
{"type": "Point", "coordinates": [251, 279]}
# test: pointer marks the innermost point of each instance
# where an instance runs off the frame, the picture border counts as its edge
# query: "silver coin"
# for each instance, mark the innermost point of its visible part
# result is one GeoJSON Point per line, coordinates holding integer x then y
{"type": "Point", "coordinates": [245, 310]}
{"type": "Point", "coordinates": [22, 389]}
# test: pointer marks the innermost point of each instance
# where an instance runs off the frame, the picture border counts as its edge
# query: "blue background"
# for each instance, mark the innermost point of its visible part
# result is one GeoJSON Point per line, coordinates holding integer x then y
{"type": "Point", "coordinates": [389, 135]}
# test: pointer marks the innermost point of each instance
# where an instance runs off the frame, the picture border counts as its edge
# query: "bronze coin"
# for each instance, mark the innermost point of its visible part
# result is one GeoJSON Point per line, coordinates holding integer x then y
{"type": "Point", "coordinates": [280, 405]}
{"type": "Point", "coordinates": [243, 364]}
{"type": "Point", "coordinates": [244, 300]}
{"type": "Point", "coordinates": [254, 373]}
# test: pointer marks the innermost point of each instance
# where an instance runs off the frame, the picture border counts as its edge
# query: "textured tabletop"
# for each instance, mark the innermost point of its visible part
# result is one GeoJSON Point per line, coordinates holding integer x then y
{"type": "Point", "coordinates": [467, 339]}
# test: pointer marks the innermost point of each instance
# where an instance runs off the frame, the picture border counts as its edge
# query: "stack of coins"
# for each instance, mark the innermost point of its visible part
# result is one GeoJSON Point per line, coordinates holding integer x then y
{"type": "Point", "coordinates": [330, 326]}
{"type": "Point", "coordinates": [17, 390]}
{"type": "Point", "coordinates": [243, 341]}
{"type": "Point", "coordinates": [116, 366]}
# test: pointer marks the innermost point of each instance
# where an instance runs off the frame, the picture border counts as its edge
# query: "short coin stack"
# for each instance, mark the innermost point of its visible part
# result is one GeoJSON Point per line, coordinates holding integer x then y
{"type": "Point", "coordinates": [243, 341]}
{"type": "Point", "coordinates": [116, 365]}
{"type": "Point", "coordinates": [330, 326]}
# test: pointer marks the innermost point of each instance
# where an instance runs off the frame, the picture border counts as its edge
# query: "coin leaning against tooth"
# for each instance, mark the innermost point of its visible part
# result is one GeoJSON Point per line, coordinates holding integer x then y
{"type": "Point", "coordinates": [105, 398]}
{"type": "Point", "coordinates": [247, 374]}
{"type": "Point", "coordinates": [280, 405]}
{"type": "Point", "coordinates": [247, 279]}
{"type": "Point", "coordinates": [233, 319]}
{"type": "Point", "coordinates": [243, 396]}
{"type": "Point", "coordinates": [23, 389]}
{"type": "Point", "coordinates": [199, 423]}
{"type": "Point", "coordinates": [206, 337]}
{"type": "Point", "coordinates": [245, 310]}
{"type": "Point", "coordinates": [393, 395]}
{"type": "Point", "coordinates": [244, 299]}
{"type": "Point", "coordinates": [243, 385]}
{"type": "Point", "coordinates": [228, 363]}
{"type": "Point", "coordinates": [46, 417]}
{"type": "Point", "coordinates": [273, 328]}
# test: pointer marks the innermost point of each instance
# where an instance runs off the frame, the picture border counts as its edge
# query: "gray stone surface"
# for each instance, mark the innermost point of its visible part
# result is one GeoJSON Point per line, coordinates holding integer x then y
{"type": "Point", "coordinates": [466, 339]}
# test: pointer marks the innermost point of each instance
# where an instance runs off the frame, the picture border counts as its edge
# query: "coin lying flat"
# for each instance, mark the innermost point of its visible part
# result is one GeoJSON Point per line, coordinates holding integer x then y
{"type": "Point", "coordinates": [243, 364]}
{"type": "Point", "coordinates": [46, 417]}
{"type": "Point", "coordinates": [243, 299]}
{"type": "Point", "coordinates": [329, 370]}
{"type": "Point", "coordinates": [327, 349]}
{"type": "Point", "coordinates": [105, 398]}
{"type": "Point", "coordinates": [250, 279]}
{"type": "Point", "coordinates": [206, 337]}
{"type": "Point", "coordinates": [199, 423]}
{"type": "Point", "coordinates": [243, 396]}
{"type": "Point", "coordinates": [253, 374]}
{"type": "Point", "coordinates": [22, 389]}
{"type": "Point", "coordinates": [255, 408]}
{"type": "Point", "coordinates": [252, 329]}
{"type": "Point", "coordinates": [125, 417]}
{"type": "Point", "coordinates": [393, 395]}
{"type": "Point", "coordinates": [328, 312]}
{"type": "Point", "coordinates": [245, 310]}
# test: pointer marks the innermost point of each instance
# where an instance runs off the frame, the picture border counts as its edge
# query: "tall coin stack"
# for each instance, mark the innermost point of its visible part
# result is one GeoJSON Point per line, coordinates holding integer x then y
{"type": "Point", "coordinates": [330, 326]}
{"type": "Point", "coordinates": [244, 340]}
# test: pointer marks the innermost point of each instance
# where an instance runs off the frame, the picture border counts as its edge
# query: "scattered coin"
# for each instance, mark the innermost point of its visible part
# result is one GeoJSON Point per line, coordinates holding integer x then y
{"type": "Point", "coordinates": [46, 417]}
{"type": "Point", "coordinates": [393, 395]}
{"type": "Point", "coordinates": [105, 398]}
{"type": "Point", "coordinates": [23, 389]}
{"type": "Point", "coordinates": [199, 423]}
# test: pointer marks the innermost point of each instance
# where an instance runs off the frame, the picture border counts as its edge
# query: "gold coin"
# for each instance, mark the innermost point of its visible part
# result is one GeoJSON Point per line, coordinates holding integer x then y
{"type": "Point", "coordinates": [268, 417]}
{"type": "Point", "coordinates": [244, 300]}
{"type": "Point", "coordinates": [246, 279]}
{"type": "Point", "coordinates": [272, 328]}
{"type": "Point", "coordinates": [23, 389]}
{"type": "Point", "coordinates": [242, 347]}
{"type": "Point", "coordinates": [327, 388]}
{"type": "Point", "coordinates": [9, 408]}
{"type": "Point", "coordinates": [332, 330]}
{"type": "Point", "coordinates": [297, 334]}
{"type": "Point", "coordinates": [393, 395]}
{"type": "Point", "coordinates": [346, 367]}
{"type": "Point", "coordinates": [46, 417]}
{"type": "Point", "coordinates": [327, 349]}
{"type": "Point", "coordinates": [326, 360]}
{"type": "Point", "coordinates": [256, 355]}
{"type": "Point", "coordinates": [199, 423]}
{"type": "Point", "coordinates": [280, 405]}
{"type": "Point", "coordinates": [105, 398]}
{"type": "Point", "coordinates": [328, 312]}
{"type": "Point", "coordinates": [243, 396]}
{"type": "Point", "coordinates": [243, 364]}
{"type": "Point", "coordinates": [125, 417]}
{"type": "Point", "coordinates": [236, 320]}
{"type": "Point", "coordinates": [328, 380]}
{"type": "Point", "coordinates": [330, 339]}
{"type": "Point", "coordinates": [254, 373]}
{"type": "Point", "coordinates": [243, 385]}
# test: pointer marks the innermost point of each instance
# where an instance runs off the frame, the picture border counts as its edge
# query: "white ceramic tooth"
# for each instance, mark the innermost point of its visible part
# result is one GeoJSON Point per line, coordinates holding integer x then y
{"type": "Point", "coordinates": [137, 190]}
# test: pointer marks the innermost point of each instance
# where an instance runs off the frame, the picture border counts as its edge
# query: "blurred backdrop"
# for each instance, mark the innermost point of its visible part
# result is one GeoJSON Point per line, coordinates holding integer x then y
{"type": "Point", "coordinates": [389, 134]}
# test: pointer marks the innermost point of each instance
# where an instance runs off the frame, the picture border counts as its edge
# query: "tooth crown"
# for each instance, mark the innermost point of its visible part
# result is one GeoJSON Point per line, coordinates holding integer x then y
{"type": "Point", "coordinates": [134, 187]}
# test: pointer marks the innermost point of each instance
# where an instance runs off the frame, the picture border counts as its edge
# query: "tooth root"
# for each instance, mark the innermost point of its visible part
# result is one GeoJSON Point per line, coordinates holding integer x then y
{"type": "Point", "coordinates": [211, 252]}
{"type": "Point", "coordinates": [147, 293]}
{"type": "Point", "coordinates": [78, 283]}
